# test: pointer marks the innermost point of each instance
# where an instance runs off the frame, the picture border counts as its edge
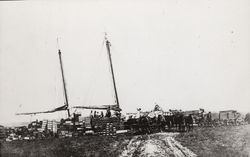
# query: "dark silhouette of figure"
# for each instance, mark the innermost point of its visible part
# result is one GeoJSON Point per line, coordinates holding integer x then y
{"type": "Point", "coordinates": [108, 113]}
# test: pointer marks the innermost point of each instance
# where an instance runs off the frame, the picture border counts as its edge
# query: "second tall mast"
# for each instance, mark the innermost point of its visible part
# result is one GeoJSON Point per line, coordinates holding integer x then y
{"type": "Point", "coordinates": [64, 84]}
{"type": "Point", "coordinates": [112, 71]}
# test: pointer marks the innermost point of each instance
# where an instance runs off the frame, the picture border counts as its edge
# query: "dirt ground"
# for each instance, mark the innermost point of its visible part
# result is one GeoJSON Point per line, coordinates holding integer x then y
{"type": "Point", "coordinates": [220, 141]}
{"type": "Point", "coordinates": [158, 145]}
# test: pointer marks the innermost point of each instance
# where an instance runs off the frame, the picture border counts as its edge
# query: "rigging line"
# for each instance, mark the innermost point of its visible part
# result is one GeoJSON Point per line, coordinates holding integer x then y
{"type": "Point", "coordinates": [94, 73]}
{"type": "Point", "coordinates": [90, 86]}
{"type": "Point", "coordinates": [56, 92]}
{"type": "Point", "coordinates": [102, 64]}
{"type": "Point", "coordinates": [93, 88]}
{"type": "Point", "coordinates": [75, 111]}
{"type": "Point", "coordinates": [103, 42]}
{"type": "Point", "coordinates": [57, 41]}
{"type": "Point", "coordinates": [19, 106]}
{"type": "Point", "coordinates": [54, 82]}
{"type": "Point", "coordinates": [31, 118]}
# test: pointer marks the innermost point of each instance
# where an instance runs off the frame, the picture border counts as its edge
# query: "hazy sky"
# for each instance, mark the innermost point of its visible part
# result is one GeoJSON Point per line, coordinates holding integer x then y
{"type": "Point", "coordinates": [181, 54]}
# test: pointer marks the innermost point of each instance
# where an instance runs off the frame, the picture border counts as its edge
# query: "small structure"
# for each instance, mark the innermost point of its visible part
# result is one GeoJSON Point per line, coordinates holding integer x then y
{"type": "Point", "coordinates": [229, 117]}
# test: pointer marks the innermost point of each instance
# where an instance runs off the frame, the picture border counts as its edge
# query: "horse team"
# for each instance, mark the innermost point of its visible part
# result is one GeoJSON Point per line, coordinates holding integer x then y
{"type": "Point", "coordinates": [162, 122]}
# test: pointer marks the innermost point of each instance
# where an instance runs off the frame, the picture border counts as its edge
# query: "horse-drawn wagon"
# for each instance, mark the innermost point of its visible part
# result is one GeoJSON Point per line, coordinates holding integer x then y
{"type": "Point", "coordinates": [229, 117]}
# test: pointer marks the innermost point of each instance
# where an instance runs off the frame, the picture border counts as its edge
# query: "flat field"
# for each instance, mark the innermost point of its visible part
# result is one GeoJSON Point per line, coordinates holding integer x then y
{"type": "Point", "coordinates": [224, 141]}
{"type": "Point", "coordinates": [220, 141]}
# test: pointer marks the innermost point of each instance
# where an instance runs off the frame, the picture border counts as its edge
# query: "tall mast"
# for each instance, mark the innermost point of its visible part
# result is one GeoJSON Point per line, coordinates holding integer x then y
{"type": "Point", "coordinates": [64, 84]}
{"type": "Point", "coordinates": [112, 71]}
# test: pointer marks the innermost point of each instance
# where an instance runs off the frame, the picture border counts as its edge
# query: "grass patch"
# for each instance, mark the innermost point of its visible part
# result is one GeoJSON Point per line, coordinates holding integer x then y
{"type": "Point", "coordinates": [217, 142]}
{"type": "Point", "coordinates": [220, 141]}
{"type": "Point", "coordinates": [70, 147]}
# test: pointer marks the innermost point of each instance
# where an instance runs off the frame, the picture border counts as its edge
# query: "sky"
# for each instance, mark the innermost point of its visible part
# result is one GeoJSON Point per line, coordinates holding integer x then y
{"type": "Point", "coordinates": [179, 54]}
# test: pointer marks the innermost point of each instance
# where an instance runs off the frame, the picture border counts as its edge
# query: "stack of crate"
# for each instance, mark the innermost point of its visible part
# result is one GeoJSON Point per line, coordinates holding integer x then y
{"type": "Point", "coordinates": [50, 125]}
{"type": "Point", "coordinates": [114, 131]}
{"type": "Point", "coordinates": [44, 125]}
{"type": "Point", "coordinates": [166, 127]}
{"type": "Point", "coordinates": [101, 133]}
{"type": "Point", "coordinates": [87, 122]}
{"type": "Point", "coordinates": [54, 126]}
{"type": "Point", "coordinates": [110, 130]}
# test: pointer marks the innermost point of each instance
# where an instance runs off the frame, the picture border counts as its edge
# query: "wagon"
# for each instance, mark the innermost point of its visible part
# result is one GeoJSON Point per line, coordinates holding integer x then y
{"type": "Point", "coordinates": [228, 117]}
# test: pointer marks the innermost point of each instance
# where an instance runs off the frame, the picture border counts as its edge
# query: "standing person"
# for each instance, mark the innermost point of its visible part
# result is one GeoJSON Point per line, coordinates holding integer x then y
{"type": "Point", "coordinates": [91, 114]}
{"type": "Point", "coordinates": [108, 113]}
{"type": "Point", "coordinates": [117, 114]}
{"type": "Point", "coordinates": [102, 114]}
{"type": "Point", "coordinates": [138, 114]}
{"type": "Point", "coordinates": [95, 114]}
{"type": "Point", "coordinates": [209, 118]}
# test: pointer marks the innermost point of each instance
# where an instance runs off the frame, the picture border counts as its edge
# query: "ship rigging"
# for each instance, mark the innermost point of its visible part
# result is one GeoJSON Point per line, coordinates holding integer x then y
{"type": "Point", "coordinates": [65, 107]}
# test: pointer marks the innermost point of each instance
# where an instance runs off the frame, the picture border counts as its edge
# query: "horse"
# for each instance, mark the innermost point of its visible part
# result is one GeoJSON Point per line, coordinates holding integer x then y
{"type": "Point", "coordinates": [188, 122]}
{"type": "Point", "coordinates": [179, 121]}
{"type": "Point", "coordinates": [161, 122]}
{"type": "Point", "coordinates": [169, 121]}
{"type": "Point", "coordinates": [144, 123]}
{"type": "Point", "coordinates": [131, 124]}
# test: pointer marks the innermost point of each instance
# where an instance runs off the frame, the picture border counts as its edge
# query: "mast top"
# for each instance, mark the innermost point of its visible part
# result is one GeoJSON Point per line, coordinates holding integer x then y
{"type": "Point", "coordinates": [59, 52]}
{"type": "Point", "coordinates": [58, 46]}
{"type": "Point", "coordinates": [106, 39]}
{"type": "Point", "coordinates": [105, 36]}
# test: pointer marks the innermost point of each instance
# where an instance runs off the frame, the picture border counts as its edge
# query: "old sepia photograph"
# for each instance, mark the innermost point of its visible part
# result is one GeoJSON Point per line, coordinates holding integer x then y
{"type": "Point", "coordinates": [124, 78]}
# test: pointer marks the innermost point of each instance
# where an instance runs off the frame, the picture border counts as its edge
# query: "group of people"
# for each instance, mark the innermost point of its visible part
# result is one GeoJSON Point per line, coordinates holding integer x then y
{"type": "Point", "coordinates": [96, 114]}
